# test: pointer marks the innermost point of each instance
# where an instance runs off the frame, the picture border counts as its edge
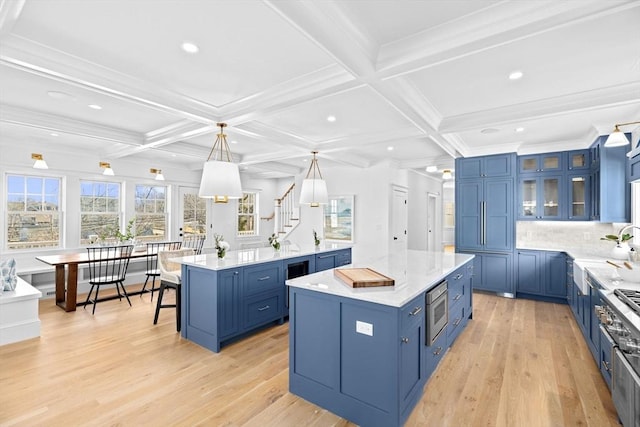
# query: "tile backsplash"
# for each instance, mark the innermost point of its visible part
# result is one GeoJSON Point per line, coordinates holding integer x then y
{"type": "Point", "coordinates": [564, 235]}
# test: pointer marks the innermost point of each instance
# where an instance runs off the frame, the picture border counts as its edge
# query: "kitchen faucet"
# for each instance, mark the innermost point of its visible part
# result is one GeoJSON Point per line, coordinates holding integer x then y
{"type": "Point", "coordinates": [625, 229]}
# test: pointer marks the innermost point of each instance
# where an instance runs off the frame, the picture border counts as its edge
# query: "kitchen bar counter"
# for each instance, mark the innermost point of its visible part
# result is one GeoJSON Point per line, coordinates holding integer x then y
{"type": "Point", "coordinates": [413, 271]}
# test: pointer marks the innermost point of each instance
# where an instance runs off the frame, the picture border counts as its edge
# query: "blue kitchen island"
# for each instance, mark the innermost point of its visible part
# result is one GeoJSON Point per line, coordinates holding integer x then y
{"type": "Point", "coordinates": [365, 354]}
{"type": "Point", "coordinates": [226, 299]}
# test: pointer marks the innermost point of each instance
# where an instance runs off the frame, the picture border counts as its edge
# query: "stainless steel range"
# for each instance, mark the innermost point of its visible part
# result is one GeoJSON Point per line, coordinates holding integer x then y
{"type": "Point", "coordinates": [620, 317]}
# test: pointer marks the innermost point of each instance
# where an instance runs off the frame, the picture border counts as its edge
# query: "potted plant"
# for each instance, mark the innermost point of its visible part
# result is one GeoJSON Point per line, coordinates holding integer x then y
{"type": "Point", "coordinates": [621, 249]}
{"type": "Point", "coordinates": [316, 240]}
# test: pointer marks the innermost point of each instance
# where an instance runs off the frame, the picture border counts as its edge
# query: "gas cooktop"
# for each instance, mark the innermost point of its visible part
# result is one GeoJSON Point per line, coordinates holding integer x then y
{"type": "Point", "coordinates": [629, 297]}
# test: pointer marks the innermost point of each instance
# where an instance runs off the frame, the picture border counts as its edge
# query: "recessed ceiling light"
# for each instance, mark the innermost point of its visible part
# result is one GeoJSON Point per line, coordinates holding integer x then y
{"type": "Point", "coordinates": [331, 119]}
{"type": "Point", "coordinates": [489, 130]}
{"type": "Point", "coordinates": [432, 169]}
{"type": "Point", "coordinates": [390, 148]}
{"type": "Point", "coordinates": [234, 141]}
{"type": "Point", "coordinates": [520, 129]}
{"type": "Point", "coordinates": [516, 75]}
{"type": "Point", "coordinates": [53, 134]}
{"type": "Point", "coordinates": [59, 95]}
{"type": "Point", "coordinates": [95, 106]}
{"type": "Point", "coordinates": [189, 47]}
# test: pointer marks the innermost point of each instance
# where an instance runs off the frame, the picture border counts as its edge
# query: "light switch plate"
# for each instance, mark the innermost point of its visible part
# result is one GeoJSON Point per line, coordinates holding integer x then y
{"type": "Point", "coordinates": [364, 328]}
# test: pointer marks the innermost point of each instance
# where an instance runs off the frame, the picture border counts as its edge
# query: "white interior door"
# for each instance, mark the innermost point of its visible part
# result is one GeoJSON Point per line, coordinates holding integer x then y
{"type": "Point", "coordinates": [399, 219]}
{"type": "Point", "coordinates": [431, 221]}
{"type": "Point", "coordinates": [193, 212]}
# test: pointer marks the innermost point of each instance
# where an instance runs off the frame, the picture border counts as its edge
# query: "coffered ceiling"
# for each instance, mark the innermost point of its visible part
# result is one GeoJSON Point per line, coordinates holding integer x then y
{"type": "Point", "coordinates": [414, 82]}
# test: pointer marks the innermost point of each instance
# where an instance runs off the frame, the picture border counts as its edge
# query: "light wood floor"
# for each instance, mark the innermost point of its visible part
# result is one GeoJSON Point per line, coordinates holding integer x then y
{"type": "Point", "coordinates": [518, 363]}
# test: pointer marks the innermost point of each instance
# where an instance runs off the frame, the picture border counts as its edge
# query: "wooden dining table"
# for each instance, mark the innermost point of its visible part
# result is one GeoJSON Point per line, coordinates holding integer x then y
{"type": "Point", "coordinates": [67, 275]}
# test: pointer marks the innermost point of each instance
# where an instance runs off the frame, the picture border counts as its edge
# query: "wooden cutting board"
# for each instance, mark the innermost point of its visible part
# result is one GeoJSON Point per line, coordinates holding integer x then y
{"type": "Point", "coordinates": [362, 277]}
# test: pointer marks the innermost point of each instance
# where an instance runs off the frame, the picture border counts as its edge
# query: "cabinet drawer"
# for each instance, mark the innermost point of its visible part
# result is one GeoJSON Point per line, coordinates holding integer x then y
{"type": "Point", "coordinates": [412, 312]}
{"type": "Point", "coordinates": [263, 309]}
{"type": "Point", "coordinates": [456, 288]}
{"type": "Point", "coordinates": [456, 322]}
{"type": "Point", "coordinates": [434, 353]}
{"type": "Point", "coordinates": [262, 278]}
{"type": "Point", "coordinates": [343, 257]}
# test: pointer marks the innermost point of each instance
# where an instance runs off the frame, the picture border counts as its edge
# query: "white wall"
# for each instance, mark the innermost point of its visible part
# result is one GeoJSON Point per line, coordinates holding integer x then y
{"type": "Point", "coordinates": [419, 187]}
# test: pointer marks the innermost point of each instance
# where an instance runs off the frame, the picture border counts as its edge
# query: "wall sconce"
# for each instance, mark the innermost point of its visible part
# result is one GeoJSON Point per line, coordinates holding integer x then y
{"type": "Point", "coordinates": [446, 174]}
{"type": "Point", "coordinates": [158, 172]}
{"type": "Point", "coordinates": [39, 161]}
{"type": "Point", "coordinates": [617, 138]}
{"type": "Point", "coordinates": [107, 168]}
{"type": "Point", "coordinates": [220, 176]}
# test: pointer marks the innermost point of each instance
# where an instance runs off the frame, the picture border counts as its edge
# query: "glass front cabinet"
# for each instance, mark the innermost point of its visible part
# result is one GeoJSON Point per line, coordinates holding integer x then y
{"type": "Point", "coordinates": [578, 191]}
{"type": "Point", "coordinates": [551, 162]}
{"type": "Point", "coordinates": [541, 197]}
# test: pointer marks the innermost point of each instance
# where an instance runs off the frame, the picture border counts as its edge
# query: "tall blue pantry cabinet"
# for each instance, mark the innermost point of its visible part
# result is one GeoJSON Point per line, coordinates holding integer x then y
{"type": "Point", "coordinates": [485, 223]}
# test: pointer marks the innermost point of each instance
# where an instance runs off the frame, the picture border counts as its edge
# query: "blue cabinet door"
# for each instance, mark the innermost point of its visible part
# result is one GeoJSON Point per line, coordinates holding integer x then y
{"type": "Point", "coordinates": [578, 196]}
{"type": "Point", "coordinates": [578, 160]}
{"type": "Point", "coordinates": [469, 208]}
{"type": "Point", "coordinates": [529, 279]}
{"type": "Point", "coordinates": [497, 230]}
{"type": "Point", "coordinates": [228, 303]}
{"type": "Point", "coordinates": [499, 165]}
{"type": "Point", "coordinates": [412, 335]}
{"type": "Point", "coordinates": [548, 162]}
{"type": "Point", "coordinates": [493, 272]}
{"type": "Point", "coordinates": [606, 355]}
{"type": "Point", "coordinates": [555, 267]}
{"type": "Point", "coordinates": [634, 165]}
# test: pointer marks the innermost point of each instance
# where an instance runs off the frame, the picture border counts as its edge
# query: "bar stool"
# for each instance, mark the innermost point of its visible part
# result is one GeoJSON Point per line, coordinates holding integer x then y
{"type": "Point", "coordinates": [194, 241]}
{"type": "Point", "coordinates": [170, 277]}
{"type": "Point", "coordinates": [152, 261]}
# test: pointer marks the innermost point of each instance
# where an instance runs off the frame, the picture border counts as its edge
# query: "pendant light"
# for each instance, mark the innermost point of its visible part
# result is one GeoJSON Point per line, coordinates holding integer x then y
{"type": "Point", "coordinates": [220, 176]}
{"type": "Point", "coordinates": [446, 174]}
{"type": "Point", "coordinates": [314, 188]}
{"type": "Point", "coordinates": [617, 138]}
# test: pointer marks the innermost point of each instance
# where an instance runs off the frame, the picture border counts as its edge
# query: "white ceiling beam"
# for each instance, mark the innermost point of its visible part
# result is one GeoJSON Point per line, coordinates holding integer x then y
{"type": "Point", "coordinates": [10, 11]}
{"type": "Point", "coordinates": [55, 123]}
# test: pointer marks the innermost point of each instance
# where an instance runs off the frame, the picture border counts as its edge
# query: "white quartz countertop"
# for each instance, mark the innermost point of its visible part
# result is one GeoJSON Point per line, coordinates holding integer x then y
{"type": "Point", "coordinates": [258, 255]}
{"type": "Point", "coordinates": [414, 272]}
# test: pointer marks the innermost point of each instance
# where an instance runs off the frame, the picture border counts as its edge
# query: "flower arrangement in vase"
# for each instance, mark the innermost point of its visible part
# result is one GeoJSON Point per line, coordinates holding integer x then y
{"type": "Point", "coordinates": [316, 240]}
{"type": "Point", "coordinates": [221, 246]}
{"type": "Point", "coordinates": [273, 241]}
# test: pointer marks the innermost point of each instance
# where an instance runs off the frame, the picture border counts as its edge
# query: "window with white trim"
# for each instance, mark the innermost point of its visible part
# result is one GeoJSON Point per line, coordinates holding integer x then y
{"type": "Point", "coordinates": [248, 214]}
{"type": "Point", "coordinates": [99, 210]}
{"type": "Point", "coordinates": [33, 212]}
{"type": "Point", "coordinates": [151, 212]}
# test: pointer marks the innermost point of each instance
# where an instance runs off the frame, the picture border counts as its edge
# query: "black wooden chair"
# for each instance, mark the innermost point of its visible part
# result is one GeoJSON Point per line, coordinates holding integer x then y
{"type": "Point", "coordinates": [194, 241]}
{"type": "Point", "coordinates": [170, 277]}
{"type": "Point", "coordinates": [107, 266]}
{"type": "Point", "coordinates": [152, 262]}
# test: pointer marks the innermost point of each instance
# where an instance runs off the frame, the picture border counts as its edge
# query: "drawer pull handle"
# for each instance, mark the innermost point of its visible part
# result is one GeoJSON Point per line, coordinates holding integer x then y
{"type": "Point", "coordinates": [324, 256]}
{"type": "Point", "coordinates": [458, 276]}
{"type": "Point", "coordinates": [264, 278]}
{"type": "Point", "coordinates": [405, 340]}
{"type": "Point", "coordinates": [438, 350]}
{"type": "Point", "coordinates": [457, 321]}
{"type": "Point", "coordinates": [607, 366]}
{"type": "Point", "coordinates": [415, 311]}
{"type": "Point", "coordinates": [266, 307]}
{"type": "Point", "coordinates": [457, 297]}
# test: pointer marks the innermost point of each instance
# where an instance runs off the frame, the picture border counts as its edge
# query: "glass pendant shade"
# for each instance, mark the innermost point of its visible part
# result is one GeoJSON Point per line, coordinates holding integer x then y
{"type": "Point", "coordinates": [616, 139]}
{"type": "Point", "coordinates": [314, 188]}
{"type": "Point", "coordinates": [220, 176]}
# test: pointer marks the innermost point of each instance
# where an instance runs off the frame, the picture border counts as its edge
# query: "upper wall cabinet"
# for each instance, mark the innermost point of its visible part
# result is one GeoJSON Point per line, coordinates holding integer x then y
{"type": "Point", "coordinates": [610, 192]}
{"type": "Point", "coordinates": [486, 166]}
{"type": "Point", "coordinates": [578, 160]}
{"type": "Point", "coordinates": [634, 163]}
{"type": "Point", "coordinates": [550, 162]}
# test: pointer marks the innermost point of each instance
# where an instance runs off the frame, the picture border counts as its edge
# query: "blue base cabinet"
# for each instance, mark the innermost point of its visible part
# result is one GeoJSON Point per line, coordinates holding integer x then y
{"type": "Point", "coordinates": [542, 275]}
{"type": "Point", "coordinates": [493, 272]}
{"type": "Point", "coordinates": [363, 361]}
{"type": "Point", "coordinates": [220, 306]}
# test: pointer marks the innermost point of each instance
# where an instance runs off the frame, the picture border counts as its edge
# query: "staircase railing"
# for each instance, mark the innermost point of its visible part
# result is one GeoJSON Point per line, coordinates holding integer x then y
{"type": "Point", "coordinates": [284, 211]}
